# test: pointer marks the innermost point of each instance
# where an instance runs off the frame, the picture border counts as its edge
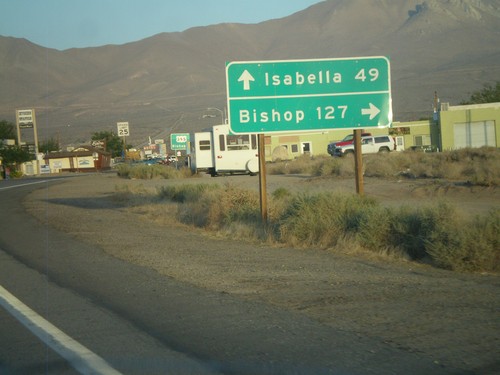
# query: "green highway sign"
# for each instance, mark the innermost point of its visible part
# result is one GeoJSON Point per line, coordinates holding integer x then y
{"type": "Point", "coordinates": [179, 141]}
{"type": "Point", "coordinates": [302, 95]}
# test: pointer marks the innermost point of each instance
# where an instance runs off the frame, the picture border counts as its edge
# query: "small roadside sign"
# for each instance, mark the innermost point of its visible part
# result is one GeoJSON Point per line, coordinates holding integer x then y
{"type": "Point", "coordinates": [179, 141]}
{"type": "Point", "coordinates": [123, 129]}
{"type": "Point", "coordinates": [309, 95]}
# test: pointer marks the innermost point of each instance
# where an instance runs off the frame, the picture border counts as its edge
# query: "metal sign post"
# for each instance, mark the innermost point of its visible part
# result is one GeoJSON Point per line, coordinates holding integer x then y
{"type": "Point", "coordinates": [358, 163]}
{"type": "Point", "coordinates": [262, 179]}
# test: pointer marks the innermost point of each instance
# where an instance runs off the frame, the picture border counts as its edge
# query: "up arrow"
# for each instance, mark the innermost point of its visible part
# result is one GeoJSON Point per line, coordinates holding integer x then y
{"type": "Point", "coordinates": [372, 111]}
{"type": "Point", "coordinates": [246, 78]}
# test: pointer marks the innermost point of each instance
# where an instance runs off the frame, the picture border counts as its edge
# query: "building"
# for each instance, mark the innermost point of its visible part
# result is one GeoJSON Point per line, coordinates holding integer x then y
{"type": "Point", "coordinates": [416, 135]}
{"type": "Point", "coordinates": [474, 125]}
{"type": "Point", "coordinates": [455, 127]}
{"type": "Point", "coordinates": [81, 159]}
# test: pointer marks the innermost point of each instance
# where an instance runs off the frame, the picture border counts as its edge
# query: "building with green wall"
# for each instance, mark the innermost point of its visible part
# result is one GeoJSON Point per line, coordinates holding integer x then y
{"type": "Point", "coordinates": [457, 127]}
{"type": "Point", "coordinates": [474, 125]}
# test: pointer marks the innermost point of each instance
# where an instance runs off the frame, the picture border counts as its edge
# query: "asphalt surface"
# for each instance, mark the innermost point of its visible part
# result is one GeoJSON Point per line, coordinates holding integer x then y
{"type": "Point", "coordinates": [141, 322]}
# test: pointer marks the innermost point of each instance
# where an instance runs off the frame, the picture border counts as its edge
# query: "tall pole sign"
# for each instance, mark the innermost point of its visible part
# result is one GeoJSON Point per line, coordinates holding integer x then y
{"type": "Point", "coordinates": [309, 95]}
{"type": "Point", "coordinates": [123, 131]}
{"type": "Point", "coordinates": [26, 119]}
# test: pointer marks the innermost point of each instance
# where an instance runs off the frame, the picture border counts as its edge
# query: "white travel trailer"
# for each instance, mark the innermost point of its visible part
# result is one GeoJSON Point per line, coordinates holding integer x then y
{"type": "Point", "coordinates": [218, 151]}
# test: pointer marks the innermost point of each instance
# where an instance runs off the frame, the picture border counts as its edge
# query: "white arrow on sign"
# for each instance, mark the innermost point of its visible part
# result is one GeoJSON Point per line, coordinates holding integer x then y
{"type": "Point", "coordinates": [246, 78]}
{"type": "Point", "coordinates": [372, 111]}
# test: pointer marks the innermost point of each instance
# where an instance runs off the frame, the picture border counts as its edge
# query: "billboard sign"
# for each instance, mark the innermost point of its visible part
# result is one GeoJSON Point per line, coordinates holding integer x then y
{"type": "Point", "coordinates": [25, 118]}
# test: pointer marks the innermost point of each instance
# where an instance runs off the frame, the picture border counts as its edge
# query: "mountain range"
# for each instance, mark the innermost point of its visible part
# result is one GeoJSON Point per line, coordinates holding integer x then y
{"type": "Point", "coordinates": [167, 82]}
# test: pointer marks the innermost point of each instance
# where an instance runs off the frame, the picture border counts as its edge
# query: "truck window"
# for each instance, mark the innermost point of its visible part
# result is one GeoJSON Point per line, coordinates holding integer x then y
{"type": "Point", "coordinates": [381, 139]}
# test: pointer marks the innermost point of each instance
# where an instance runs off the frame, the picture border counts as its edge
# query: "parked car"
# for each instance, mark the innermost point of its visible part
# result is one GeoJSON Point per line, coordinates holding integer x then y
{"type": "Point", "coordinates": [369, 145]}
{"type": "Point", "coordinates": [348, 139]}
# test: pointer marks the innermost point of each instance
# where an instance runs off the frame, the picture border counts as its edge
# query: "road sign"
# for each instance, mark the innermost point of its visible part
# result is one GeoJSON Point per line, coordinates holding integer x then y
{"type": "Point", "coordinates": [179, 141]}
{"type": "Point", "coordinates": [302, 95]}
{"type": "Point", "coordinates": [25, 118]}
{"type": "Point", "coordinates": [123, 130]}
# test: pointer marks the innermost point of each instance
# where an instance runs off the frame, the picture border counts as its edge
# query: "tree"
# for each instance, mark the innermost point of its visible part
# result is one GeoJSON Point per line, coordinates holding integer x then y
{"type": "Point", "coordinates": [14, 155]}
{"type": "Point", "coordinates": [7, 130]}
{"type": "Point", "coordinates": [489, 94]}
{"type": "Point", "coordinates": [114, 144]}
{"type": "Point", "coordinates": [49, 145]}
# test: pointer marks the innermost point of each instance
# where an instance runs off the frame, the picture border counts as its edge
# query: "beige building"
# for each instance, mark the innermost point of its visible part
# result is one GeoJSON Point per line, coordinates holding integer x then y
{"type": "Point", "coordinates": [81, 159]}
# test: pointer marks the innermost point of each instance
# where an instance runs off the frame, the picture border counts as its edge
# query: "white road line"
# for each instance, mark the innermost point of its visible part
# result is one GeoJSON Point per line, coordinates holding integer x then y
{"type": "Point", "coordinates": [81, 358]}
{"type": "Point", "coordinates": [26, 184]}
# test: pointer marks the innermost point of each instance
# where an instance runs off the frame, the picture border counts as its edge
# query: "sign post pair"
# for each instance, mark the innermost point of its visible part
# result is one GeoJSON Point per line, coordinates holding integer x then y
{"type": "Point", "coordinates": [309, 95]}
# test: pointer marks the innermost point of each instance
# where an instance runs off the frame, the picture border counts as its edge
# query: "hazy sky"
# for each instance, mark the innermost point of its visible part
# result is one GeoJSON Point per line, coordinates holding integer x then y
{"type": "Point", "coordinates": [63, 24]}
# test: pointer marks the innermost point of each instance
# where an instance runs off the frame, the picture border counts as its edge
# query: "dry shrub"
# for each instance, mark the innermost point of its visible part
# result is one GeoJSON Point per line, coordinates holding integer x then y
{"type": "Point", "coordinates": [339, 167]}
{"type": "Point", "coordinates": [304, 164]}
{"type": "Point", "coordinates": [381, 165]}
{"type": "Point", "coordinates": [480, 166]}
{"type": "Point", "coordinates": [131, 196]}
{"type": "Point", "coordinates": [477, 166]}
{"type": "Point", "coordinates": [214, 207]}
{"type": "Point", "coordinates": [149, 172]}
{"type": "Point", "coordinates": [186, 192]}
{"type": "Point", "coordinates": [440, 234]}
{"type": "Point", "coordinates": [412, 228]}
{"type": "Point", "coordinates": [321, 219]}
{"type": "Point", "coordinates": [467, 245]}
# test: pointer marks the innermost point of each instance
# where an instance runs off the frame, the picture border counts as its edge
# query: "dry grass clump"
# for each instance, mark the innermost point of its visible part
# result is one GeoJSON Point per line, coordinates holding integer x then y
{"type": "Point", "coordinates": [320, 219]}
{"type": "Point", "coordinates": [315, 166]}
{"type": "Point", "coordinates": [440, 234]}
{"type": "Point", "coordinates": [478, 166]}
{"type": "Point", "coordinates": [212, 206]}
{"type": "Point", "coordinates": [150, 172]}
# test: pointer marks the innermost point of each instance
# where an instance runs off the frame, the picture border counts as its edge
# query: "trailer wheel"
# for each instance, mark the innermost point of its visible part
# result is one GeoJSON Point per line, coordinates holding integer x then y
{"type": "Point", "coordinates": [253, 166]}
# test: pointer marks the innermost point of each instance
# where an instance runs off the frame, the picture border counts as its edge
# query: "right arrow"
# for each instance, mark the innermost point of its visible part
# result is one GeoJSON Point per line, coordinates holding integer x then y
{"type": "Point", "coordinates": [246, 78]}
{"type": "Point", "coordinates": [372, 111]}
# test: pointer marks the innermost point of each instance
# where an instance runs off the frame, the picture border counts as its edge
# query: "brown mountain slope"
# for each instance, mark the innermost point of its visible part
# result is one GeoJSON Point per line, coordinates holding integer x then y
{"type": "Point", "coordinates": [166, 82]}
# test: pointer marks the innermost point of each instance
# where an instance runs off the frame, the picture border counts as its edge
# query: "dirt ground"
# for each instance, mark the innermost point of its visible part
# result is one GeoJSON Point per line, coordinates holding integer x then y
{"type": "Point", "coordinates": [450, 317]}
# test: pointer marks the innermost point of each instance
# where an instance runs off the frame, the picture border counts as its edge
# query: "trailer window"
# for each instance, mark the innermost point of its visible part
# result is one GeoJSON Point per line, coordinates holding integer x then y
{"type": "Point", "coordinates": [204, 145]}
{"type": "Point", "coordinates": [238, 142]}
{"type": "Point", "coordinates": [222, 142]}
{"type": "Point", "coordinates": [254, 142]}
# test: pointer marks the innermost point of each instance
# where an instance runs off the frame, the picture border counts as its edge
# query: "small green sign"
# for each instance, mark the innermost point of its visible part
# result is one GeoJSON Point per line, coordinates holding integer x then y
{"type": "Point", "coordinates": [299, 95]}
{"type": "Point", "coordinates": [179, 141]}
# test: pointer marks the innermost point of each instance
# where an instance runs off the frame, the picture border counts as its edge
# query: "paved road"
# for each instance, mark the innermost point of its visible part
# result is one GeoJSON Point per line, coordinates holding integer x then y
{"type": "Point", "coordinates": [140, 322]}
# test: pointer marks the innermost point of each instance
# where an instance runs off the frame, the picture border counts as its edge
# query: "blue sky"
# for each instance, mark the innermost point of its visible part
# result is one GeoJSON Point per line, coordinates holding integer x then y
{"type": "Point", "coordinates": [64, 24]}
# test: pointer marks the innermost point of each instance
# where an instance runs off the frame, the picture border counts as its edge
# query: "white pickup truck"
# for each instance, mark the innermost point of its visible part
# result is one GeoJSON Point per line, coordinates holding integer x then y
{"type": "Point", "coordinates": [369, 145]}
